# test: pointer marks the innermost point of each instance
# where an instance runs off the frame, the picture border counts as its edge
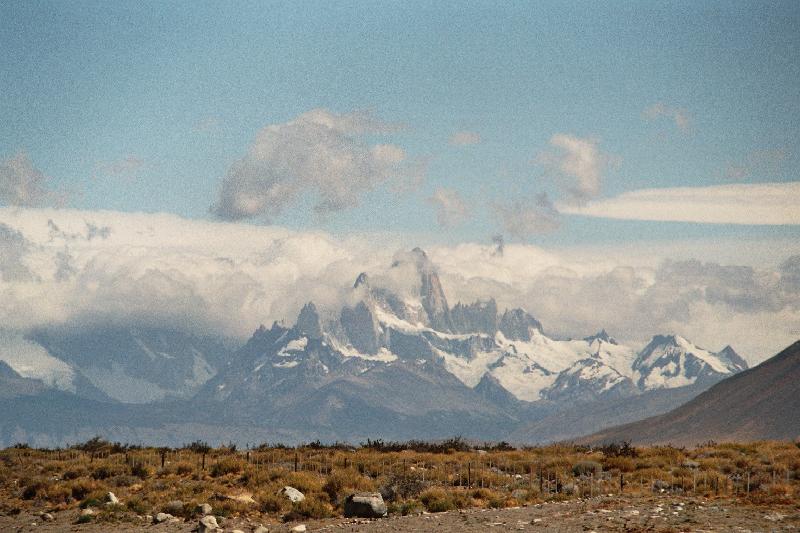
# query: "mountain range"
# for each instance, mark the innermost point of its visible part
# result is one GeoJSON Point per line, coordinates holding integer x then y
{"type": "Point", "coordinates": [760, 403]}
{"type": "Point", "coordinates": [393, 363]}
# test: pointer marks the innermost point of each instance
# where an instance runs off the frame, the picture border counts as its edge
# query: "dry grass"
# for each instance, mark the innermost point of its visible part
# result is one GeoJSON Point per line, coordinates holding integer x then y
{"type": "Point", "coordinates": [430, 478]}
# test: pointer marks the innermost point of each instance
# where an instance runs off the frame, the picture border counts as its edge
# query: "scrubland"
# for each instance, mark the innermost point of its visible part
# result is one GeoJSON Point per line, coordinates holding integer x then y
{"type": "Point", "coordinates": [413, 477]}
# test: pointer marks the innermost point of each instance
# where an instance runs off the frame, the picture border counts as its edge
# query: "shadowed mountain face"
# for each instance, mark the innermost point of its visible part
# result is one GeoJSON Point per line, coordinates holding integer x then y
{"type": "Point", "coordinates": [384, 365]}
{"type": "Point", "coordinates": [760, 403]}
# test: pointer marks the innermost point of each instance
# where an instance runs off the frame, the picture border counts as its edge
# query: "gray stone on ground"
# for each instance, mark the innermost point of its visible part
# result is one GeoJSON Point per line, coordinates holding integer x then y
{"type": "Point", "coordinates": [111, 498]}
{"type": "Point", "coordinates": [208, 524]}
{"type": "Point", "coordinates": [261, 529]}
{"type": "Point", "coordinates": [88, 512]}
{"type": "Point", "coordinates": [162, 517]}
{"type": "Point", "coordinates": [204, 509]}
{"type": "Point", "coordinates": [294, 495]}
{"type": "Point", "coordinates": [365, 505]}
{"type": "Point", "coordinates": [298, 529]}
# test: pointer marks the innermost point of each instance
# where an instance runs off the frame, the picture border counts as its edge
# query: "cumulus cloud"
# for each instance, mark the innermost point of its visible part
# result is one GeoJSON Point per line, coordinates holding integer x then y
{"type": "Point", "coordinates": [320, 153]}
{"type": "Point", "coordinates": [220, 278]}
{"type": "Point", "coordinates": [451, 209]}
{"type": "Point", "coordinates": [465, 138]}
{"type": "Point", "coordinates": [577, 163]}
{"type": "Point", "coordinates": [756, 204]}
{"type": "Point", "coordinates": [523, 219]}
{"type": "Point", "coordinates": [679, 116]}
{"type": "Point", "coordinates": [23, 184]}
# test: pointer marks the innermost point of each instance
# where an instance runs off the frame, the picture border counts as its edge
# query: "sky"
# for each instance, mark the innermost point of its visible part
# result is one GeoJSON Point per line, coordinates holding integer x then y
{"type": "Point", "coordinates": [605, 135]}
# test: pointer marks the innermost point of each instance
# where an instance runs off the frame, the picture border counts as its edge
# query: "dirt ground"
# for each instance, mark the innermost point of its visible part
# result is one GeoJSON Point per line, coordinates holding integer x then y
{"type": "Point", "coordinates": [657, 513]}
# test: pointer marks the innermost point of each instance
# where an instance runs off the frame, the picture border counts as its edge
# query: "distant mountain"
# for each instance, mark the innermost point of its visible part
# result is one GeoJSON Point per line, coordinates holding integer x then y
{"type": "Point", "coordinates": [133, 365]}
{"type": "Point", "coordinates": [670, 361]}
{"type": "Point", "coordinates": [760, 403]}
{"type": "Point", "coordinates": [390, 363]}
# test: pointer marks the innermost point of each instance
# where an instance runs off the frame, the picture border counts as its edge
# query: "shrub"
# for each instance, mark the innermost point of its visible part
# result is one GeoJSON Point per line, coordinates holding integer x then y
{"type": "Point", "coordinates": [140, 471]}
{"type": "Point", "coordinates": [311, 507]}
{"type": "Point", "coordinates": [585, 468]}
{"type": "Point", "coordinates": [346, 480]}
{"type": "Point", "coordinates": [74, 474]}
{"type": "Point", "coordinates": [272, 503]}
{"type": "Point", "coordinates": [437, 500]}
{"type": "Point", "coordinates": [227, 465]}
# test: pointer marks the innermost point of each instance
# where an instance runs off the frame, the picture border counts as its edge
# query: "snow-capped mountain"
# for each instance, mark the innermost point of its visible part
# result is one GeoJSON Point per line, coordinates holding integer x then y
{"type": "Point", "coordinates": [129, 365]}
{"type": "Point", "coordinates": [670, 361]}
{"type": "Point", "coordinates": [472, 342]}
{"type": "Point", "coordinates": [393, 362]}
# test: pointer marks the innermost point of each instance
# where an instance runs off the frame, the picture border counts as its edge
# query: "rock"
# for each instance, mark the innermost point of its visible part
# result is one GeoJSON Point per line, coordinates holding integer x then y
{"type": "Point", "coordinates": [162, 517]}
{"type": "Point", "coordinates": [292, 494]}
{"type": "Point", "coordinates": [174, 507]}
{"type": "Point", "coordinates": [261, 529]}
{"type": "Point", "coordinates": [203, 509]}
{"type": "Point", "coordinates": [47, 517]}
{"type": "Point", "coordinates": [208, 524]}
{"type": "Point", "coordinates": [298, 529]}
{"type": "Point", "coordinates": [112, 498]}
{"type": "Point", "coordinates": [88, 512]}
{"type": "Point", "coordinates": [365, 505]}
{"type": "Point", "coordinates": [237, 531]}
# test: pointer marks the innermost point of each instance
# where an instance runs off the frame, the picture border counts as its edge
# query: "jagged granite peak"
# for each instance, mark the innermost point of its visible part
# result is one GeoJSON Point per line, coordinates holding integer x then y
{"type": "Point", "coordinates": [672, 361]}
{"type": "Point", "coordinates": [477, 317]}
{"type": "Point", "coordinates": [601, 335]}
{"type": "Point", "coordinates": [516, 324]}
{"type": "Point", "coordinates": [308, 322]}
{"type": "Point", "coordinates": [431, 293]}
{"type": "Point", "coordinates": [362, 279]}
{"type": "Point", "coordinates": [361, 328]}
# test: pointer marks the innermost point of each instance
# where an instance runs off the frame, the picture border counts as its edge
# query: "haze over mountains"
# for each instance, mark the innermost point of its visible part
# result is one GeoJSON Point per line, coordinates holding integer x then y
{"type": "Point", "coordinates": [389, 363]}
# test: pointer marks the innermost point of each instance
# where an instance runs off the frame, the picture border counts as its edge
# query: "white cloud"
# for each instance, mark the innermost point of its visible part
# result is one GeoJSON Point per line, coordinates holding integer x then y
{"type": "Point", "coordinates": [227, 278]}
{"type": "Point", "coordinates": [451, 209]}
{"type": "Point", "coordinates": [578, 163]}
{"type": "Point", "coordinates": [23, 184]}
{"type": "Point", "coordinates": [319, 153]}
{"type": "Point", "coordinates": [525, 218]}
{"type": "Point", "coordinates": [756, 204]}
{"type": "Point", "coordinates": [465, 138]}
{"type": "Point", "coordinates": [679, 116]}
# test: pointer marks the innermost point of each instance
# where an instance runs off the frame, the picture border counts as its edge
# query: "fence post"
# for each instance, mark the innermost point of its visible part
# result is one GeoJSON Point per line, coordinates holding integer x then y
{"type": "Point", "coordinates": [469, 475]}
{"type": "Point", "coordinates": [621, 482]}
{"type": "Point", "coordinates": [295, 461]}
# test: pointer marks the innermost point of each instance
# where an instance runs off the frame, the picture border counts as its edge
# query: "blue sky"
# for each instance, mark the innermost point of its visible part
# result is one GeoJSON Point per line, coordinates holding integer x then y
{"type": "Point", "coordinates": [146, 107]}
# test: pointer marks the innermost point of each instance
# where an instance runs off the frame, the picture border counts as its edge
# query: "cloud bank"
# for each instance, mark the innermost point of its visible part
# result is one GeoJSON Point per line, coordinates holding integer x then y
{"type": "Point", "coordinates": [319, 153]}
{"type": "Point", "coordinates": [755, 204]}
{"type": "Point", "coordinates": [226, 279]}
